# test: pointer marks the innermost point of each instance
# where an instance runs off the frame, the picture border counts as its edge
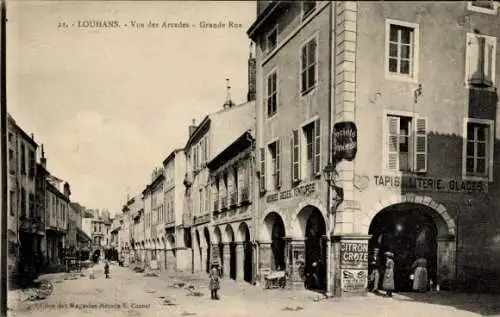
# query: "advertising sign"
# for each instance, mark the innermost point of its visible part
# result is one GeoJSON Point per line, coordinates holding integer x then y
{"type": "Point", "coordinates": [354, 281]}
{"type": "Point", "coordinates": [345, 140]}
{"type": "Point", "coordinates": [354, 254]}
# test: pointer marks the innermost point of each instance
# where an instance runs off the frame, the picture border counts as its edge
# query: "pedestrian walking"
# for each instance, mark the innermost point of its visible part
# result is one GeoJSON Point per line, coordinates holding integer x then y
{"type": "Point", "coordinates": [388, 281]}
{"type": "Point", "coordinates": [214, 283]}
{"type": "Point", "coordinates": [419, 270]}
{"type": "Point", "coordinates": [375, 277]}
{"type": "Point", "coordinates": [106, 269]}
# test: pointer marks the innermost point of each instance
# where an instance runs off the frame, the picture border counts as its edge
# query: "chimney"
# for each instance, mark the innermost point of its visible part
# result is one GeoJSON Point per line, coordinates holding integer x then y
{"type": "Point", "coordinates": [43, 160]}
{"type": "Point", "coordinates": [252, 73]}
{"type": "Point", "coordinates": [192, 127]}
{"type": "Point", "coordinates": [228, 103]}
{"type": "Point", "coordinates": [67, 191]}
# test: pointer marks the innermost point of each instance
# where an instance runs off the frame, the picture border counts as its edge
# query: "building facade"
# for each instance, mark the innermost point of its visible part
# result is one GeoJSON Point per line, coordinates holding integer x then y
{"type": "Point", "coordinates": [412, 119]}
{"type": "Point", "coordinates": [24, 231]}
{"type": "Point", "coordinates": [206, 141]}
{"type": "Point", "coordinates": [292, 136]}
{"type": "Point", "coordinates": [56, 224]}
{"type": "Point", "coordinates": [177, 229]}
{"type": "Point", "coordinates": [231, 176]}
{"type": "Point", "coordinates": [95, 228]}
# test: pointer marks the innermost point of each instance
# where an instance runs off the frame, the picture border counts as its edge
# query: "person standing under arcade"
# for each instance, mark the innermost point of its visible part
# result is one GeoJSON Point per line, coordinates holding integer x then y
{"type": "Point", "coordinates": [388, 280]}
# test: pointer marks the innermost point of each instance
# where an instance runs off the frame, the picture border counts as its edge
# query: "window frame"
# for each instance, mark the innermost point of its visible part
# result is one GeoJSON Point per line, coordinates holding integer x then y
{"type": "Point", "coordinates": [467, 64]}
{"type": "Point", "coordinates": [266, 39]}
{"type": "Point", "coordinates": [305, 92]}
{"type": "Point", "coordinates": [412, 146]}
{"type": "Point", "coordinates": [415, 51]}
{"type": "Point", "coordinates": [489, 148]}
{"type": "Point", "coordinates": [273, 71]}
{"type": "Point", "coordinates": [473, 8]}
{"type": "Point", "coordinates": [303, 149]}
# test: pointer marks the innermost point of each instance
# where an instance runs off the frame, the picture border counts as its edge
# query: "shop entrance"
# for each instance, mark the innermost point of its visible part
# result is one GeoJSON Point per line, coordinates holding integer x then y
{"type": "Point", "coordinates": [209, 245]}
{"type": "Point", "coordinates": [276, 227]}
{"type": "Point", "coordinates": [315, 248]}
{"type": "Point", "coordinates": [409, 231]}
{"type": "Point", "coordinates": [247, 252]}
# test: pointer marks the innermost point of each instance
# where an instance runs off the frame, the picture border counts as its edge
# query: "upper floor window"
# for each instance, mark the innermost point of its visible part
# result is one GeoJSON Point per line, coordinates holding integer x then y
{"type": "Point", "coordinates": [401, 50]}
{"type": "Point", "coordinates": [32, 205]}
{"type": "Point", "coordinates": [308, 7]}
{"type": "Point", "coordinates": [406, 144]}
{"type": "Point", "coordinates": [12, 202]}
{"type": "Point", "coordinates": [272, 93]}
{"type": "Point", "coordinates": [478, 148]}
{"type": "Point", "coordinates": [308, 65]}
{"type": "Point", "coordinates": [31, 171]}
{"type": "Point", "coordinates": [488, 6]}
{"type": "Point", "coordinates": [23, 159]}
{"type": "Point", "coordinates": [480, 61]}
{"type": "Point", "coordinates": [272, 39]}
{"type": "Point", "coordinates": [274, 154]}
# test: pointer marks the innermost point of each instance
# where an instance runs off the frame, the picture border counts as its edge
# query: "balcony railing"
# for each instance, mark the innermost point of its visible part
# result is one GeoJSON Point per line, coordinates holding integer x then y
{"type": "Point", "coordinates": [223, 203]}
{"type": "Point", "coordinates": [245, 195]}
{"type": "Point", "coordinates": [234, 199]}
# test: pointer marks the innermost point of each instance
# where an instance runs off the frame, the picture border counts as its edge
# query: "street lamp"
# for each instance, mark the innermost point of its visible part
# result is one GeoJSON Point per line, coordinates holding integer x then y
{"type": "Point", "coordinates": [329, 173]}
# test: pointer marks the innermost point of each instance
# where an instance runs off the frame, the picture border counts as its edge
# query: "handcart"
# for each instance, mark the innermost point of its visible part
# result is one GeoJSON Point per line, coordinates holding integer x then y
{"type": "Point", "coordinates": [275, 279]}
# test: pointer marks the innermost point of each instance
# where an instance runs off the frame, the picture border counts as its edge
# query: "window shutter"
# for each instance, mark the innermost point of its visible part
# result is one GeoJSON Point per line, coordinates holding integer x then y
{"type": "Point", "coordinates": [420, 162]}
{"type": "Point", "coordinates": [262, 175]}
{"type": "Point", "coordinates": [295, 156]}
{"type": "Point", "coordinates": [278, 163]}
{"type": "Point", "coordinates": [475, 59]}
{"type": "Point", "coordinates": [489, 61]}
{"type": "Point", "coordinates": [393, 143]}
{"type": "Point", "coordinates": [317, 148]}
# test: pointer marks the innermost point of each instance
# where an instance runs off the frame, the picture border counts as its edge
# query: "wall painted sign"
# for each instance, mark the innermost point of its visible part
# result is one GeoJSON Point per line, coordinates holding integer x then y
{"type": "Point", "coordinates": [345, 140]}
{"type": "Point", "coordinates": [431, 184]}
{"type": "Point", "coordinates": [354, 281]}
{"type": "Point", "coordinates": [354, 254]}
{"type": "Point", "coordinates": [304, 190]}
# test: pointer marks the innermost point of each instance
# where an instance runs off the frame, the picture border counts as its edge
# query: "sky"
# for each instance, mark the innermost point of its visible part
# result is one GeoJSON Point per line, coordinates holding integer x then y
{"type": "Point", "coordinates": [109, 104]}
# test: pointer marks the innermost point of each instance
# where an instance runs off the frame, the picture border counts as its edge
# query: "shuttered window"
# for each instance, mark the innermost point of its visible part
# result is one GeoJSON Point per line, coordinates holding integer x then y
{"type": "Point", "coordinates": [406, 144]}
{"type": "Point", "coordinates": [262, 174]}
{"type": "Point", "coordinates": [480, 63]}
{"type": "Point", "coordinates": [274, 150]}
{"type": "Point", "coordinates": [295, 156]}
{"type": "Point", "coordinates": [317, 148]}
{"type": "Point", "coordinates": [420, 145]}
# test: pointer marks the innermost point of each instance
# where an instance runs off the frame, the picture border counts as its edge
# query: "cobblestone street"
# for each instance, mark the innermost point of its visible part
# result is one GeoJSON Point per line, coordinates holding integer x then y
{"type": "Point", "coordinates": [133, 294]}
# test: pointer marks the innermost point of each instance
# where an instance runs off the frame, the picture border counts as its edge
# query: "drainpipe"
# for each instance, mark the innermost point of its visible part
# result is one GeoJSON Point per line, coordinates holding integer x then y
{"type": "Point", "coordinates": [331, 100]}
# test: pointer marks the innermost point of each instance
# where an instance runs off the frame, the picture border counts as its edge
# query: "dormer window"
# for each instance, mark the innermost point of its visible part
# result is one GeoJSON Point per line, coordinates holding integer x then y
{"type": "Point", "coordinates": [272, 40]}
{"type": "Point", "coordinates": [480, 62]}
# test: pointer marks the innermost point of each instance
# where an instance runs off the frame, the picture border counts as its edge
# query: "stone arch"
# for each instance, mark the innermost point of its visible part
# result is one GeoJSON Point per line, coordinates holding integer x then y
{"type": "Point", "coordinates": [206, 237]}
{"type": "Point", "coordinates": [444, 222]}
{"type": "Point", "coordinates": [197, 238]}
{"type": "Point", "coordinates": [268, 222]}
{"type": "Point", "coordinates": [302, 213]}
{"type": "Point", "coordinates": [217, 235]}
{"type": "Point", "coordinates": [242, 232]}
{"type": "Point", "coordinates": [228, 234]}
{"type": "Point", "coordinates": [163, 245]}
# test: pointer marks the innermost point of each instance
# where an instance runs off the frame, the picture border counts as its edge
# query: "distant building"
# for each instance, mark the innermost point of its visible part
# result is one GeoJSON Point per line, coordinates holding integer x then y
{"type": "Point", "coordinates": [24, 231]}
{"type": "Point", "coordinates": [56, 223]}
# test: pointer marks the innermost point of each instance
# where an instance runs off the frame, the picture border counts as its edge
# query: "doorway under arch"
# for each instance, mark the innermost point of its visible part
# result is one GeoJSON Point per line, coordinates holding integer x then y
{"type": "Point", "coordinates": [198, 245]}
{"type": "Point", "coordinates": [247, 252]}
{"type": "Point", "coordinates": [276, 227]}
{"type": "Point", "coordinates": [410, 231]}
{"type": "Point", "coordinates": [209, 246]}
{"type": "Point", "coordinates": [232, 252]}
{"type": "Point", "coordinates": [219, 257]}
{"type": "Point", "coordinates": [314, 226]}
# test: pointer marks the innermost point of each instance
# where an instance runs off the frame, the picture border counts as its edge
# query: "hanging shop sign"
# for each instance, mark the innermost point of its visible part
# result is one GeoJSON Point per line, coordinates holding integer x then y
{"type": "Point", "coordinates": [354, 254]}
{"type": "Point", "coordinates": [345, 140]}
{"type": "Point", "coordinates": [304, 190]}
{"type": "Point", "coordinates": [431, 184]}
{"type": "Point", "coordinates": [354, 281]}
